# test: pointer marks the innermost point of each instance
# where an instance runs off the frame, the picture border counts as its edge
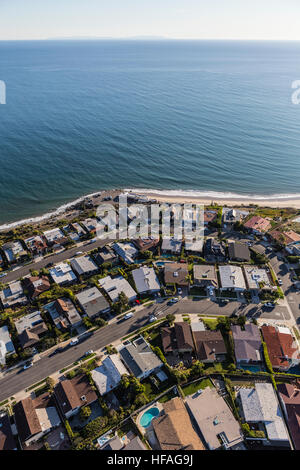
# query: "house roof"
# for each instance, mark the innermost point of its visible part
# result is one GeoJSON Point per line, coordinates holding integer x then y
{"type": "Point", "coordinates": [92, 301]}
{"type": "Point", "coordinates": [83, 265]}
{"type": "Point", "coordinates": [247, 342]}
{"type": "Point", "coordinates": [114, 287]}
{"type": "Point", "coordinates": [108, 375]}
{"type": "Point", "coordinates": [144, 244]}
{"type": "Point", "coordinates": [256, 277]}
{"type": "Point", "coordinates": [145, 279]}
{"type": "Point", "coordinates": [183, 335]}
{"type": "Point", "coordinates": [71, 394]}
{"type": "Point", "coordinates": [290, 395]}
{"type": "Point", "coordinates": [232, 277]}
{"type": "Point", "coordinates": [36, 285]}
{"type": "Point", "coordinates": [7, 441]}
{"type": "Point", "coordinates": [260, 404]}
{"type": "Point", "coordinates": [281, 346]}
{"type": "Point", "coordinates": [126, 251]}
{"type": "Point", "coordinates": [61, 273]}
{"type": "Point", "coordinates": [176, 273]}
{"type": "Point", "coordinates": [139, 357]}
{"type": "Point", "coordinates": [174, 430]}
{"type": "Point", "coordinates": [205, 273]}
{"type": "Point", "coordinates": [209, 216]}
{"type": "Point", "coordinates": [209, 344]}
{"type": "Point", "coordinates": [168, 339]}
{"type": "Point", "coordinates": [135, 444]}
{"type": "Point", "coordinates": [26, 419]}
{"type": "Point", "coordinates": [171, 244]}
{"type": "Point", "coordinates": [286, 238]}
{"type": "Point", "coordinates": [258, 223]}
{"type": "Point", "coordinates": [214, 418]}
{"type": "Point", "coordinates": [238, 250]}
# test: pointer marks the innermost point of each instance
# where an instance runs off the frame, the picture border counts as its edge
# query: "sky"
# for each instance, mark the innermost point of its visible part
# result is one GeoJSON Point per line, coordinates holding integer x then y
{"type": "Point", "coordinates": [182, 19]}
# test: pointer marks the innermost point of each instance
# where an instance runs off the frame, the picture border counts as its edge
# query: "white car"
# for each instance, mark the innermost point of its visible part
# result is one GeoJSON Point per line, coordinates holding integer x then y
{"type": "Point", "coordinates": [78, 253]}
{"type": "Point", "coordinates": [2, 275]}
{"type": "Point", "coordinates": [269, 305]}
{"type": "Point", "coordinates": [179, 290]}
{"type": "Point", "coordinates": [128, 315]}
{"type": "Point", "coordinates": [280, 282]}
{"type": "Point", "coordinates": [152, 319]}
{"type": "Point", "coordinates": [74, 341]}
{"type": "Point", "coordinates": [87, 353]}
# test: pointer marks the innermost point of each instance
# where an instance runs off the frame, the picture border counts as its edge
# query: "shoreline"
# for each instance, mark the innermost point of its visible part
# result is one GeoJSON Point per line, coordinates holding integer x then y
{"type": "Point", "coordinates": [171, 196]}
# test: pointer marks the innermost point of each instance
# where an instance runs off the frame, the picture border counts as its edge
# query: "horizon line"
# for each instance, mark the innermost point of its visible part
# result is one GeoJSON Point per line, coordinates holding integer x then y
{"type": "Point", "coordinates": [145, 38]}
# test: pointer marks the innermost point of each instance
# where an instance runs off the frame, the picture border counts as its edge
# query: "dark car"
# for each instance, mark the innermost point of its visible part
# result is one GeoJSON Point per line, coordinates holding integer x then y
{"type": "Point", "coordinates": [49, 265]}
{"type": "Point", "coordinates": [56, 351]}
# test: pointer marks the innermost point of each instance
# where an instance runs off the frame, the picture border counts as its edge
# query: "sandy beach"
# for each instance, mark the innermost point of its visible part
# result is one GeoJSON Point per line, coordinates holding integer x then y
{"type": "Point", "coordinates": [228, 201]}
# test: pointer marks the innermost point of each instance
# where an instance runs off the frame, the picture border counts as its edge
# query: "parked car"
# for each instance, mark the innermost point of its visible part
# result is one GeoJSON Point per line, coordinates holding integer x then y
{"type": "Point", "coordinates": [279, 282]}
{"type": "Point", "coordinates": [152, 318]}
{"type": "Point", "coordinates": [128, 315]}
{"type": "Point", "coordinates": [3, 275]}
{"type": "Point", "coordinates": [78, 253]}
{"type": "Point", "coordinates": [179, 290]}
{"type": "Point", "coordinates": [27, 365]}
{"type": "Point", "coordinates": [269, 305]}
{"type": "Point", "coordinates": [74, 341]}
{"type": "Point", "coordinates": [87, 353]}
{"type": "Point", "coordinates": [174, 300]}
{"type": "Point", "coordinates": [56, 351]}
{"type": "Point", "coordinates": [49, 265]}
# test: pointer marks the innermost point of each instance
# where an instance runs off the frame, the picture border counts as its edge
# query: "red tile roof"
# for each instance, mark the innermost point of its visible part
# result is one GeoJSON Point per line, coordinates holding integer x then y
{"type": "Point", "coordinates": [290, 395]}
{"type": "Point", "coordinates": [258, 223]}
{"type": "Point", "coordinates": [281, 347]}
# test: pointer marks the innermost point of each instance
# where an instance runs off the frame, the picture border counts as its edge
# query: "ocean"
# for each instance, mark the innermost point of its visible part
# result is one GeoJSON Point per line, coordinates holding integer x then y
{"type": "Point", "coordinates": [209, 116]}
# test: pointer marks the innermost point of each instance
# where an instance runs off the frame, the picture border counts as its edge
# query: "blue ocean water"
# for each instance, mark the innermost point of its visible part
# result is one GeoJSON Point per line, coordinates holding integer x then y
{"type": "Point", "coordinates": [82, 116]}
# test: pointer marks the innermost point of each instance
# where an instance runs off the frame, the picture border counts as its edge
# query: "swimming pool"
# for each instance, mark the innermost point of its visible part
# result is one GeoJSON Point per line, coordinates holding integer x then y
{"type": "Point", "coordinates": [148, 416]}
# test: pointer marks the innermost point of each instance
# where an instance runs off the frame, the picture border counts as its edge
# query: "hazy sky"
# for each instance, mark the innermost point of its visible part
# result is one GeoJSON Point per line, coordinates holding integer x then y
{"type": "Point", "coordinates": [228, 19]}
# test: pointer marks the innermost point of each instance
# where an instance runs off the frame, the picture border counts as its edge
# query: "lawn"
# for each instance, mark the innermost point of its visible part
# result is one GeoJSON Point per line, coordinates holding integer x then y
{"type": "Point", "coordinates": [194, 387]}
{"type": "Point", "coordinates": [211, 323]}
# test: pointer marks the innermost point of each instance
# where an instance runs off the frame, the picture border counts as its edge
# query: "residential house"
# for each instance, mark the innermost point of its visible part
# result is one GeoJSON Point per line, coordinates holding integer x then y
{"type": "Point", "coordinates": [139, 358]}
{"type": "Point", "coordinates": [84, 266]}
{"type": "Point", "coordinates": [177, 339]}
{"type": "Point", "coordinates": [214, 250]}
{"type": "Point", "coordinates": [90, 225]}
{"type": "Point", "coordinates": [238, 251]}
{"type": "Point", "coordinates": [257, 278]}
{"type": "Point", "coordinates": [290, 400]}
{"type": "Point", "coordinates": [173, 428]}
{"type": "Point", "coordinates": [92, 302]}
{"type": "Point", "coordinates": [36, 245]}
{"type": "Point", "coordinates": [126, 251]}
{"type": "Point", "coordinates": [30, 328]}
{"type": "Point", "coordinates": [247, 344]}
{"type": "Point", "coordinates": [282, 348]}
{"type": "Point", "coordinates": [232, 278]}
{"type": "Point", "coordinates": [128, 442]}
{"type": "Point", "coordinates": [14, 251]}
{"type": "Point", "coordinates": [258, 225]}
{"type": "Point", "coordinates": [194, 246]}
{"type": "Point", "coordinates": [171, 245]}
{"type": "Point", "coordinates": [35, 418]}
{"type": "Point", "coordinates": [293, 249]}
{"type": "Point", "coordinates": [184, 339]}
{"type": "Point", "coordinates": [176, 273]}
{"type": "Point", "coordinates": [63, 313]}
{"type": "Point", "coordinates": [210, 216]}
{"type": "Point", "coordinates": [230, 216]}
{"type": "Point", "coordinates": [13, 295]}
{"type": "Point", "coordinates": [210, 346]}
{"type": "Point", "coordinates": [36, 285]}
{"type": "Point", "coordinates": [7, 440]}
{"type": "Point", "coordinates": [55, 236]}
{"type": "Point", "coordinates": [72, 394]}
{"type": "Point", "coordinates": [146, 281]}
{"type": "Point", "coordinates": [63, 274]}
{"type": "Point", "coordinates": [76, 227]}
{"type": "Point", "coordinates": [214, 419]}
{"type": "Point", "coordinates": [108, 376]}
{"type": "Point", "coordinates": [114, 286]}
{"type": "Point", "coordinates": [285, 238]}
{"type": "Point", "coordinates": [146, 244]}
{"type": "Point", "coordinates": [106, 255]}
{"type": "Point", "coordinates": [205, 275]}
{"type": "Point", "coordinates": [259, 406]}
{"type": "Point", "coordinates": [6, 345]}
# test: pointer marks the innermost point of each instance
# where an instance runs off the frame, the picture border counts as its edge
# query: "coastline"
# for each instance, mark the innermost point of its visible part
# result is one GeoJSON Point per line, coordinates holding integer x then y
{"type": "Point", "coordinates": [171, 196]}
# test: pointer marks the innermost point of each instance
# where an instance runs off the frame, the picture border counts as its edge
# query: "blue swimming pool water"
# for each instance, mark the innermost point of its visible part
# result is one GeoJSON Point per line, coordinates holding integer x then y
{"type": "Point", "coordinates": [252, 368]}
{"type": "Point", "coordinates": [148, 416]}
